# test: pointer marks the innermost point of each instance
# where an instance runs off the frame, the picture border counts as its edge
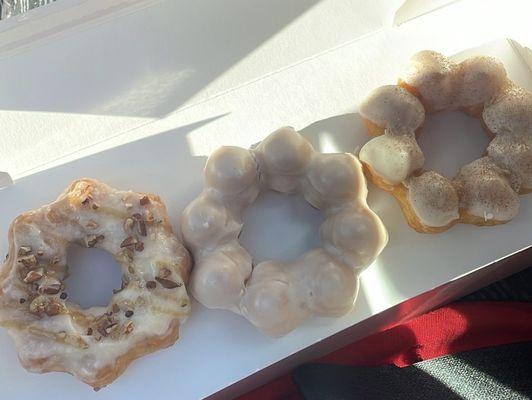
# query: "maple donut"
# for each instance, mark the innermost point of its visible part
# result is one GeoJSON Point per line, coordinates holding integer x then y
{"type": "Point", "coordinates": [96, 344]}
{"type": "Point", "coordinates": [484, 192]}
{"type": "Point", "coordinates": [277, 296]}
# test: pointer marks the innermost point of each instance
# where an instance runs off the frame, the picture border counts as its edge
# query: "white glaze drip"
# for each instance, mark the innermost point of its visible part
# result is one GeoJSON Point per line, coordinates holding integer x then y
{"type": "Point", "coordinates": [275, 296]}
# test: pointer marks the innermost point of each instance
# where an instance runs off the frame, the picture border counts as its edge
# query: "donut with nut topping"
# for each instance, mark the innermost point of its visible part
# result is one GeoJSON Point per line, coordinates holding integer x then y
{"type": "Point", "coordinates": [52, 333]}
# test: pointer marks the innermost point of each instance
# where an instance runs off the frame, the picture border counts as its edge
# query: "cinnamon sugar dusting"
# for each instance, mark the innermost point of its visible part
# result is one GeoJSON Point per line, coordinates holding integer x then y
{"type": "Point", "coordinates": [486, 188]}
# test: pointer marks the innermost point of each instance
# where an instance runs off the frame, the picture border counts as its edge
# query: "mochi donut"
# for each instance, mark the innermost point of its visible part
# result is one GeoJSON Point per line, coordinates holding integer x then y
{"type": "Point", "coordinates": [52, 333]}
{"type": "Point", "coordinates": [484, 192]}
{"type": "Point", "coordinates": [278, 296]}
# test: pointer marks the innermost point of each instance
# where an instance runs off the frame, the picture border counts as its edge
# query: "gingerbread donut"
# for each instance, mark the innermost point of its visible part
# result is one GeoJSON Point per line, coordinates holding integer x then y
{"type": "Point", "coordinates": [277, 296]}
{"type": "Point", "coordinates": [484, 192]}
{"type": "Point", "coordinates": [95, 345]}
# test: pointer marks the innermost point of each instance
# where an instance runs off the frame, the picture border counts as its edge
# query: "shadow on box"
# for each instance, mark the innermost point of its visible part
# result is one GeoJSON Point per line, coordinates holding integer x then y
{"type": "Point", "coordinates": [156, 73]}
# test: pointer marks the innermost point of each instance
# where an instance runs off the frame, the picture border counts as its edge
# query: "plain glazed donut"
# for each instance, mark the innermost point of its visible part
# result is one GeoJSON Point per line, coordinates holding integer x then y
{"type": "Point", "coordinates": [277, 296]}
{"type": "Point", "coordinates": [96, 344]}
{"type": "Point", "coordinates": [484, 192]}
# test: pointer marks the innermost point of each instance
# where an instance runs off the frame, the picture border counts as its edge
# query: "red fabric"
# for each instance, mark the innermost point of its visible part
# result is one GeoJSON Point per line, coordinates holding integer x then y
{"type": "Point", "coordinates": [448, 330]}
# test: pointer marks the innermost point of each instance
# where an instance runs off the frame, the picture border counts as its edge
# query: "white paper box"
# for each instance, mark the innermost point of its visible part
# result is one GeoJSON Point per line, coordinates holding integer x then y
{"type": "Point", "coordinates": [317, 92]}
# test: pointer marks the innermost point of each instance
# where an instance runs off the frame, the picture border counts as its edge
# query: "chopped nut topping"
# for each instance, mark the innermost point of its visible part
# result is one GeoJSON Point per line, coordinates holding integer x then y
{"type": "Point", "coordinates": [104, 324]}
{"type": "Point", "coordinates": [128, 328]}
{"type": "Point", "coordinates": [89, 331]}
{"type": "Point", "coordinates": [139, 246]}
{"type": "Point", "coordinates": [50, 285]}
{"type": "Point", "coordinates": [55, 261]}
{"type": "Point", "coordinates": [144, 200]}
{"type": "Point", "coordinates": [22, 301]}
{"type": "Point", "coordinates": [24, 250]}
{"type": "Point", "coordinates": [167, 283]}
{"type": "Point", "coordinates": [92, 224]}
{"type": "Point", "coordinates": [86, 201]}
{"type": "Point", "coordinates": [129, 241]}
{"type": "Point", "coordinates": [151, 284]}
{"type": "Point", "coordinates": [53, 309]}
{"type": "Point", "coordinates": [40, 253]}
{"type": "Point", "coordinates": [49, 289]}
{"type": "Point", "coordinates": [130, 269]}
{"type": "Point", "coordinates": [95, 206]}
{"type": "Point", "coordinates": [92, 240]}
{"type": "Point", "coordinates": [63, 296]}
{"type": "Point", "coordinates": [101, 330]}
{"type": "Point", "coordinates": [129, 314]}
{"type": "Point", "coordinates": [28, 261]}
{"type": "Point", "coordinates": [142, 228]}
{"type": "Point", "coordinates": [109, 328]}
{"type": "Point", "coordinates": [137, 216]}
{"type": "Point", "coordinates": [34, 275]}
{"type": "Point", "coordinates": [165, 273]}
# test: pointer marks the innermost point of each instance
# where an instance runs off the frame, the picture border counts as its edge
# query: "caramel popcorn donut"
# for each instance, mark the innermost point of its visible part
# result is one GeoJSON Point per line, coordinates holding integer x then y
{"type": "Point", "coordinates": [484, 192]}
{"type": "Point", "coordinates": [277, 296]}
{"type": "Point", "coordinates": [96, 344]}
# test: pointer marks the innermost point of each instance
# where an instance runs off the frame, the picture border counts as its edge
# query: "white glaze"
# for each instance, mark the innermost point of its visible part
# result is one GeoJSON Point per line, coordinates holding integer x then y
{"type": "Point", "coordinates": [394, 108]}
{"type": "Point", "coordinates": [433, 198]}
{"type": "Point", "coordinates": [477, 83]}
{"type": "Point", "coordinates": [333, 179]}
{"type": "Point", "coordinates": [444, 85]}
{"type": "Point", "coordinates": [393, 157]}
{"type": "Point", "coordinates": [478, 80]}
{"type": "Point", "coordinates": [275, 296]}
{"type": "Point", "coordinates": [431, 74]}
{"type": "Point", "coordinates": [514, 153]}
{"type": "Point", "coordinates": [51, 229]}
{"type": "Point", "coordinates": [486, 191]}
{"type": "Point", "coordinates": [286, 155]}
{"type": "Point", "coordinates": [509, 112]}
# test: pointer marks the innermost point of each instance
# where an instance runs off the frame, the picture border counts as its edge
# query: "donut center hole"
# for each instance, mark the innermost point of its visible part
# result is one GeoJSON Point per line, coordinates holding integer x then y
{"type": "Point", "coordinates": [93, 274]}
{"type": "Point", "coordinates": [450, 140]}
{"type": "Point", "coordinates": [280, 227]}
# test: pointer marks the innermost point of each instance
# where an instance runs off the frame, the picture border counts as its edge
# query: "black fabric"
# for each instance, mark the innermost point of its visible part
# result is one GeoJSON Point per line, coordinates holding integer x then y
{"type": "Point", "coordinates": [517, 287]}
{"type": "Point", "coordinates": [502, 372]}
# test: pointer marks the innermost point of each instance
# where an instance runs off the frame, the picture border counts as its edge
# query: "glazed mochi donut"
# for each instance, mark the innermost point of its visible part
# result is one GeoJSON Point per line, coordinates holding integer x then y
{"type": "Point", "coordinates": [96, 345]}
{"type": "Point", "coordinates": [277, 296]}
{"type": "Point", "coordinates": [484, 192]}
